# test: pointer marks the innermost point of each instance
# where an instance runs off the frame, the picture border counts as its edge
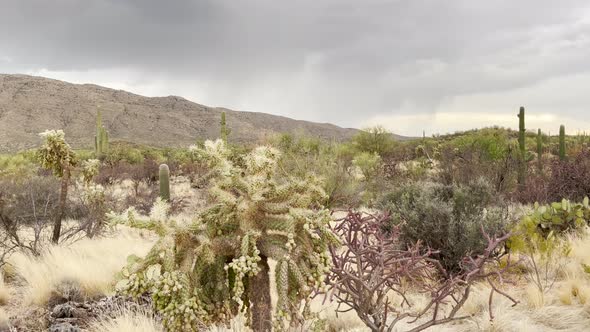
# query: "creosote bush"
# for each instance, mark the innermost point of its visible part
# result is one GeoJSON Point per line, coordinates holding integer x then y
{"type": "Point", "coordinates": [208, 271]}
{"type": "Point", "coordinates": [447, 218]}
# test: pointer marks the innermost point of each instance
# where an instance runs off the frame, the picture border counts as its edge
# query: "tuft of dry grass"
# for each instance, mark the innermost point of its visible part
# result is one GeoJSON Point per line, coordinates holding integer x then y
{"type": "Point", "coordinates": [128, 321]}
{"type": "Point", "coordinates": [4, 291]}
{"type": "Point", "coordinates": [534, 297]}
{"type": "Point", "coordinates": [4, 320]}
{"type": "Point", "coordinates": [87, 267]}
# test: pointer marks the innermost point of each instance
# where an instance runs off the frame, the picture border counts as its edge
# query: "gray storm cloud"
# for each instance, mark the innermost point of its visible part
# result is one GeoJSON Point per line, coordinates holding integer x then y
{"type": "Point", "coordinates": [409, 65]}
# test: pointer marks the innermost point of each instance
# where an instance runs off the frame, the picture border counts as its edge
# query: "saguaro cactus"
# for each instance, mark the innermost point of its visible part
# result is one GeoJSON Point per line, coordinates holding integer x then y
{"type": "Point", "coordinates": [522, 147]}
{"type": "Point", "coordinates": [562, 155]}
{"type": "Point", "coordinates": [164, 182]}
{"type": "Point", "coordinates": [540, 151]}
{"type": "Point", "coordinates": [224, 130]}
{"type": "Point", "coordinates": [101, 138]}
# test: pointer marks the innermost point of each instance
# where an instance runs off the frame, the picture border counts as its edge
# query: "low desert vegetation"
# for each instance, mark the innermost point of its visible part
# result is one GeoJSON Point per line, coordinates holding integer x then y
{"type": "Point", "coordinates": [479, 230]}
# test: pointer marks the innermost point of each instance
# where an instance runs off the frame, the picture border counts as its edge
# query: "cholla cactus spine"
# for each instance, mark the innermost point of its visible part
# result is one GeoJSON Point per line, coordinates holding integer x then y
{"type": "Point", "coordinates": [164, 176]}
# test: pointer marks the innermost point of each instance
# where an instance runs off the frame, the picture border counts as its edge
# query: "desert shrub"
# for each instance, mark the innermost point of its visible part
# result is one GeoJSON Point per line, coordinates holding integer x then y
{"type": "Point", "coordinates": [375, 274]}
{"type": "Point", "coordinates": [447, 218]}
{"type": "Point", "coordinates": [569, 179]}
{"type": "Point", "coordinates": [488, 153]}
{"type": "Point", "coordinates": [143, 176]}
{"type": "Point", "coordinates": [122, 153]}
{"type": "Point", "coordinates": [332, 162]}
{"type": "Point", "coordinates": [342, 188]}
{"type": "Point", "coordinates": [374, 140]}
{"type": "Point", "coordinates": [18, 166]}
{"type": "Point", "coordinates": [368, 165]}
{"type": "Point", "coordinates": [87, 206]}
{"type": "Point", "coordinates": [535, 190]}
{"type": "Point", "coordinates": [27, 208]}
{"type": "Point", "coordinates": [217, 266]}
{"type": "Point", "coordinates": [367, 169]}
{"type": "Point", "coordinates": [540, 239]}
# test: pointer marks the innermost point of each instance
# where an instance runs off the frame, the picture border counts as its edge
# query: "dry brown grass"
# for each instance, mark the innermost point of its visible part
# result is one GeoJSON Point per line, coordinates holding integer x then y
{"type": "Point", "coordinates": [128, 321]}
{"type": "Point", "coordinates": [92, 264]}
{"type": "Point", "coordinates": [89, 264]}
{"type": "Point", "coordinates": [4, 291]}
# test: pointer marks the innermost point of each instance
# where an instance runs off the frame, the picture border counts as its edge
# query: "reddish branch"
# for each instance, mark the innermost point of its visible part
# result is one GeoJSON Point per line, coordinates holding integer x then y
{"type": "Point", "coordinates": [371, 265]}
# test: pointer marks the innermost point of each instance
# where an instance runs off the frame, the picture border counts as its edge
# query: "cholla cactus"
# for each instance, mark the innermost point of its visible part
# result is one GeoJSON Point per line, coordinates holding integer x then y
{"type": "Point", "coordinates": [90, 169]}
{"type": "Point", "coordinates": [56, 155]}
{"type": "Point", "coordinates": [217, 266]}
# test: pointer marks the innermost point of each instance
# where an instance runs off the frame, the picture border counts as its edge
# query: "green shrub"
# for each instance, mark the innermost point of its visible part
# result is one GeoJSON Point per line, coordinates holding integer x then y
{"type": "Point", "coordinates": [18, 166]}
{"type": "Point", "coordinates": [489, 153]}
{"type": "Point", "coordinates": [447, 218]}
{"type": "Point", "coordinates": [374, 140]}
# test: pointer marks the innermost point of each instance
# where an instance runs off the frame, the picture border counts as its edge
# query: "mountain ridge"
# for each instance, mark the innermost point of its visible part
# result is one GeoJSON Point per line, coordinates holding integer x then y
{"type": "Point", "coordinates": [32, 104]}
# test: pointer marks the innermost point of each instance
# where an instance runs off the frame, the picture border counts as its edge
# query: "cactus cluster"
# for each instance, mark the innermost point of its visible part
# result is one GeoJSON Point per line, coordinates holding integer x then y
{"type": "Point", "coordinates": [101, 138]}
{"type": "Point", "coordinates": [217, 265]}
{"type": "Point", "coordinates": [560, 217]}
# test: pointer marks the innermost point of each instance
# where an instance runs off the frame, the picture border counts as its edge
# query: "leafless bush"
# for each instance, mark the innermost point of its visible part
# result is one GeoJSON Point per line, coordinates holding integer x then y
{"type": "Point", "coordinates": [371, 265]}
{"type": "Point", "coordinates": [535, 190]}
{"type": "Point", "coordinates": [562, 179]}
{"type": "Point", "coordinates": [27, 208]}
{"type": "Point", "coordinates": [569, 179]}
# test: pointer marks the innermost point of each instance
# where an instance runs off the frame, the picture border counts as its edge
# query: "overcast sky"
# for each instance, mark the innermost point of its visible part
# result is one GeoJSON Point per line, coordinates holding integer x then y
{"type": "Point", "coordinates": [409, 65]}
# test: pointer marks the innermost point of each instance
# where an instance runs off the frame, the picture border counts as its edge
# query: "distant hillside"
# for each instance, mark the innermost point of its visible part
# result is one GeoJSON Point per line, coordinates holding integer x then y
{"type": "Point", "coordinates": [30, 105]}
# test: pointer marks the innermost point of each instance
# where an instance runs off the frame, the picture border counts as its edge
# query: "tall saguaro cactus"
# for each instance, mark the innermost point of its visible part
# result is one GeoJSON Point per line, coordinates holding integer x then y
{"type": "Point", "coordinates": [540, 151]}
{"type": "Point", "coordinates": [101, 138]}
{"type": "Point", "coordinates": [522, 147]}
{"type": "Point", "coordinates": [562, 155]}
{"type": "Point", "coordinates": [224, 130]}
{"type": "Point", "coordinates": [164, 182]}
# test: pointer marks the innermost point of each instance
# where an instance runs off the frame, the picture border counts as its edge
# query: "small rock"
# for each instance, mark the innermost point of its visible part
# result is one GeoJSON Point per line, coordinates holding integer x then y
{"type": "Point", "coordinates": [65, 310]}
{"type": "Point", "coordinates": [64, 327]}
